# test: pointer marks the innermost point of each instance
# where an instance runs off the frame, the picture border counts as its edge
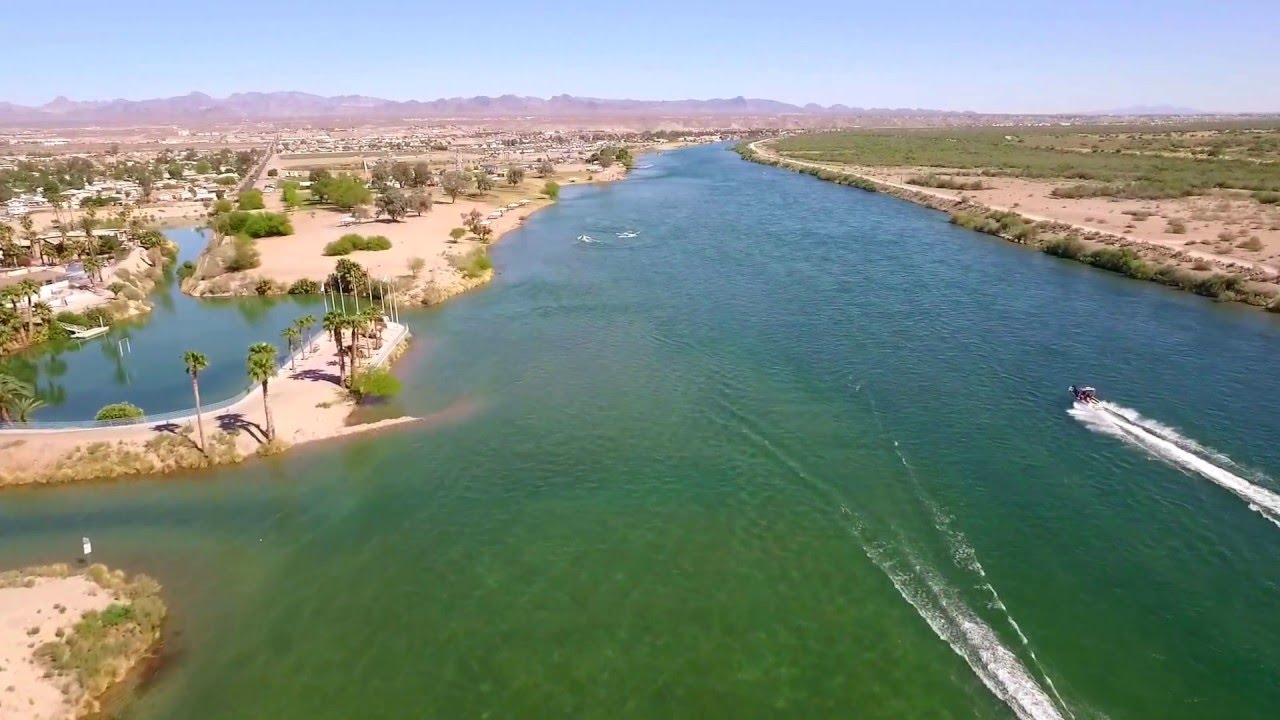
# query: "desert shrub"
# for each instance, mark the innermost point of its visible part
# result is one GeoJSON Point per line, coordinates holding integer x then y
{"type": "Point", "coordinates": [1202, 265]}
{"type": "Point", "coordinates": [473, 264]}
{"type": "Point", "coordinates": [1064, 247]}
{"type": "Point", "coordinates": [374, 383]}
{"type": "Point", "coordinates": [1177, 227]}
{"type": "Point", "coordinates": [1226, 236]}
{"type": "Point", "coordinates": [244, 255]}
{"type": "Point", "coordinates": [1218, 285]}
{"type": "Point", "coordinates": [305, 286]}
{"type": "Point", "coordinates": [351, 242]}
{"type": "Point", "coordinates": [1267, 197]}
{"type": "Point", "coordinates": [119, 411]}
{"type": "Point", "coordinates": [1253, 243]}
{"type": "Point", "coordinates": [937, 181]}
{"type": "Point", "coordinates": [1121, 260]}
{"type": "Point", "coordinates": [97, 316]}
{"type": "Point", "coordinates": [1138, 214]}
{"type": "Point", "coordinates": [130, 292]}
{"type": "Point", "coordinates": [457, 233]}
{"type": "Point", "coordinates": [264, 287]}
{"type": "Point", "coordinates": [186, 270]}
{"type": "Point", "coordinates": [551, 189]}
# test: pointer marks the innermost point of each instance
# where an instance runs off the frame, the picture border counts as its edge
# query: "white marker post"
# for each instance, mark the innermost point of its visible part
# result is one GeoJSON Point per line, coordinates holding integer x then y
{"type": "Point", "coordinates": [88, 548]}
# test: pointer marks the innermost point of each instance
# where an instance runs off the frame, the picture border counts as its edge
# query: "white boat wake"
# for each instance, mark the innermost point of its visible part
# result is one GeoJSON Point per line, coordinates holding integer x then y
{"type": "Point", "coordinates": [628, 234]}
{"type": "Point", "coordinates": [1168, 445]}
{"type": "Point", "coordinates": [586, 239]}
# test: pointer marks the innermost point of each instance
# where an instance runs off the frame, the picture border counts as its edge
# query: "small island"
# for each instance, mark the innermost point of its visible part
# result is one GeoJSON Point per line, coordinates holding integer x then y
{"type": "Point", "coordinates": [67, 638]}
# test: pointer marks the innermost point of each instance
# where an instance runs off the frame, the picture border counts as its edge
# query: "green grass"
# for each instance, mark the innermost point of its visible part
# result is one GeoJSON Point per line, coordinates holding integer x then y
{"type": "Point", "coordinates": [1000, 152]}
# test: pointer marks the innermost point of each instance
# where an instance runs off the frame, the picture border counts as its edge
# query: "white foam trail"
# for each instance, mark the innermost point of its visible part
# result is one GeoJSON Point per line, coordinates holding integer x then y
{"type": "Point", "coordinates": [1163, 447]}
{"type": "Point", "coordinates": [994, 664]}
{"type": "Point", "coordinates": [966, 557]}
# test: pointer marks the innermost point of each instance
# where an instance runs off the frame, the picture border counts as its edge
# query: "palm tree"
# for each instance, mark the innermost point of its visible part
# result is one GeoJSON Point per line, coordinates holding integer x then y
{"type": "Point", "coordinates": [32, 237]}
{"type": "Point", "coordinates": [261, 365]}
{"type": "Point", "coordinates": [195, 362]}
{"type": "Point", "coordinates": [357, 325]}
{"type": "Point", "coordinates": [291, 335]}
{"type": "Point", "coordinates": [13, 393]}
{"type": "Point", "coordinates": [334, 323]}
{"type": "Point", "coordinates": [304, 324]}
{"type": "Point", "coordinates": [24, 407]}
{"type": "Point", "coordinates": [92, 267]}
{"type": "Point", "coordinates": [28, 289]}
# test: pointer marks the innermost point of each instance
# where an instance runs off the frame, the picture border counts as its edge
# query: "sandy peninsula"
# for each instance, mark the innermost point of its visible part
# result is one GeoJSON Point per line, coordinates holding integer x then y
{"type": "Point", "coordinates": [57, 654]}
{"type": "Point", "coordinates": [285, 260]}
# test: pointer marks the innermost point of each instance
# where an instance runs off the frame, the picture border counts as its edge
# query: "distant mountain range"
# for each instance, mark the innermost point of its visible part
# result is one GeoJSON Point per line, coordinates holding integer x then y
{"type": "Point", "coordinates": [297, 105]}
{"type": "Point", "coordinates": [198, 107]}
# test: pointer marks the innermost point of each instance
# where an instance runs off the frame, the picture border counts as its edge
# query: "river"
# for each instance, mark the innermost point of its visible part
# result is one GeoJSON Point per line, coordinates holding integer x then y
{"type": "Point", "coordinates": [792, 450]}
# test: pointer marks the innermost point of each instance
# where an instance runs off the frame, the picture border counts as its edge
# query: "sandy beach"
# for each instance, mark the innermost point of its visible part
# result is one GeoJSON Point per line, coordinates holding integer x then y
{"type": "Point", "coordinates": [28, 694]}
{"type": "Point", "coordinates": [301, 255]}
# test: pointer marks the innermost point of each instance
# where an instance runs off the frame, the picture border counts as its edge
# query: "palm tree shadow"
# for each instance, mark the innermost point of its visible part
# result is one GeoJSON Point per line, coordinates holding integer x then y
{"type": "Point", "coordinates": [175, 430]}
{"type": "Point", "coordinates": [315, 375]}
{"type": "Point", "coordinates": [236, 422]}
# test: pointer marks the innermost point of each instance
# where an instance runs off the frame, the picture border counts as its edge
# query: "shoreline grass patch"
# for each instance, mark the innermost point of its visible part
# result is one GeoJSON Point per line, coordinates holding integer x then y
{"type": "Point", "coordinates": [353, 242]}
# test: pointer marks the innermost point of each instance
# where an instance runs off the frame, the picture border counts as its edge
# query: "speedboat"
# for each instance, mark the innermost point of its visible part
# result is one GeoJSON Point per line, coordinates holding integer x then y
{"type": "Point", "coordinates": [1084, 395]}
{"type": "Point", "coordinates": [628, 234]}
{"type": "Point", "coordinates": [586, 238]}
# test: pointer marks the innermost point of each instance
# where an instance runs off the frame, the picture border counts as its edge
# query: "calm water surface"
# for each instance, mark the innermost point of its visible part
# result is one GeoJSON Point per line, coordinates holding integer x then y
{"type": "Point", "coordinates": [141, 362]}
{"type": "Point", "coordinates": [794, 450]}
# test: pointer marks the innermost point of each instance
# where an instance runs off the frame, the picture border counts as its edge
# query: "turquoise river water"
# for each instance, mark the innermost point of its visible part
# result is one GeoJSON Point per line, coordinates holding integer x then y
{"type": "Point", "coordinates": [791, 450]}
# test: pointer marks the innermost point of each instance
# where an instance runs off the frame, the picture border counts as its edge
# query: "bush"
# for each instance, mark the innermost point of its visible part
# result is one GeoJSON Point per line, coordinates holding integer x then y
{"type": "Point", "coordinates": [255, 225]}
{"type": "Point", "coordinates": [1177, 227]}
{"type": "Point", "coordinates": [551, 189]}
{"type": "Point", "coordinates": [304, 286]}
{"type": "Point", "coordinates": [264, 287]}
{"type": "Point", "coordinates": [937, 181]}
{"type": "Point", "coordinates": [250, 200]}
{"type": "Point", "coordinates": [1064, 247]}
{"type": "Point", "coordinates": [244, 256]}
{"type": "Point", "coordinates": [457, 233]}
{"type": "Point", "coordinates": [1120, 260]}
{"type": "Point", "coordinates": [374, 383]}
{"type": "Point", "coordinates": [351, 242]}
{"type": "Point", "coordinates": [473, 264]}
{"type": "Point", "coordinates": [186, 270]}
{"type": "Point", "coordinates": [119, 411]}
{"type": "Point", "coordinates": [1217, 285]}
{"type": "Point", "coordinates": [1267, 198]}
{"type": "Point", "coordinates": [1253, 243]}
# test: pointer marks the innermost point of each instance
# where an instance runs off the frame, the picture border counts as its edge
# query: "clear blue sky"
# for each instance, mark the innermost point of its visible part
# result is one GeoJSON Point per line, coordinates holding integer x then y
{"type": "Point", "coordinates": [1029, 56]}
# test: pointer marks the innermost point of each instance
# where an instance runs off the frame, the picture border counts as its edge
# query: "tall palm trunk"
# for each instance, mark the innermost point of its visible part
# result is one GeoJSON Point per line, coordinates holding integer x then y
{"type": "Point", "coordinates": [342, 358]}
{"type": "Point", "coordinates": [195, 390]}
{"type": "Point", "coordinates": [266, 410]}
{"type": "Point", "coordinates": [4, 415]}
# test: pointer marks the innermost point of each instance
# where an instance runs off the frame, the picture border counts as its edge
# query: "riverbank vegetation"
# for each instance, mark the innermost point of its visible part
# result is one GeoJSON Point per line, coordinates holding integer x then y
{"type": "Point", "coordinates": [946, 183]}
{"type": "Point", "coordinates": [1112, 253]}
{"type": "Point", "coordinates": [473, 264]}
{"type": "Point", "coordinates": [101, 648]}
{"type": "Point", "coordinates": [1112, 161]}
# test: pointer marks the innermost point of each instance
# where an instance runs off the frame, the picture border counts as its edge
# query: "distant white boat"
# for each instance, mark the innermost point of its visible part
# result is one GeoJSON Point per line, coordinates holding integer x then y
{"type": "Point", "coordinates": [628, 234]}
{"type": "Point", "coordinates": [586, 238]}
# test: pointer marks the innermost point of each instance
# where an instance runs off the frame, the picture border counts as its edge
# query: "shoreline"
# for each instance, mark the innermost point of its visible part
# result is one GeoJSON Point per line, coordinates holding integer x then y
{"type": "Point", "coordinates": [307, 404]}
{"type": "Point", "coordinates": [71, 642]}
{"type": "Point", "coordinates": [1228, 280]}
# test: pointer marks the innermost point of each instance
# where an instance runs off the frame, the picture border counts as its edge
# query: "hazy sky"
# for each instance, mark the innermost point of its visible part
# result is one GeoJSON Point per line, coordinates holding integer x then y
{"type": "Point", "coordinates": [1027, 56]}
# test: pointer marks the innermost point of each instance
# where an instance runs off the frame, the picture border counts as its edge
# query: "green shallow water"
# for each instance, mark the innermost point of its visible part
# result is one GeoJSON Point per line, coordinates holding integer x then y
{"type": "Point", "coordinates": [794, 450]}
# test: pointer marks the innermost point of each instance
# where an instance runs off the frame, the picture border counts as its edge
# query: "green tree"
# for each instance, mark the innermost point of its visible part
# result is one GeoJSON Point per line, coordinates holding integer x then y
{"type": "Point", "coordinates": [251, 200]}
{"type": "Point", "coordinates": [402, 172]}
{"type": "Point", "coordinates": [546, 168]}
{"type": "Point", "coordinates": [273, 173]}
{"type": "Point", "coordinates": [304, 324]}
{"type": "Point", "coordinates": [195, 362]}
{"type": "Point", "coordinates": [175, 171]}
{"type": "Point", "coordinates": [484, 183]}
{"type": "Point", "coordinates": [421, 174]}
{"type": "Point", "coordinates": [202, 167]}
{"type": "Point", "coordinates": [393, 204]}
{"type": "Point", "coordinates": [420, 202]}
{"type": "Point", "coordinates": [261, 366]}
{"type": "Point", "coordinates": [454, 183]}
{"type": "Point", "coordinates": [23, 408]}
{"type": "Point", "coordinates": [291, 195]}
{"type": "Point", "coordinates": [457, 233]}
{"type": "Point", "coordinates": [415, 266]}
{"type": "Point", "coordinates": [334, 324]}
{"type": "Point", "coordinates": [551, 189]}
{"type": "Point", "coordinates": [291, 335]}
{"type": "Point", "coordinates": [319, 176]}
{"type": "Point", "coordinates": [347, 192]}
{"type": "Point", "coordinates": [12, 393]}
{"type": "Point", "coordinates": [515, 175]}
